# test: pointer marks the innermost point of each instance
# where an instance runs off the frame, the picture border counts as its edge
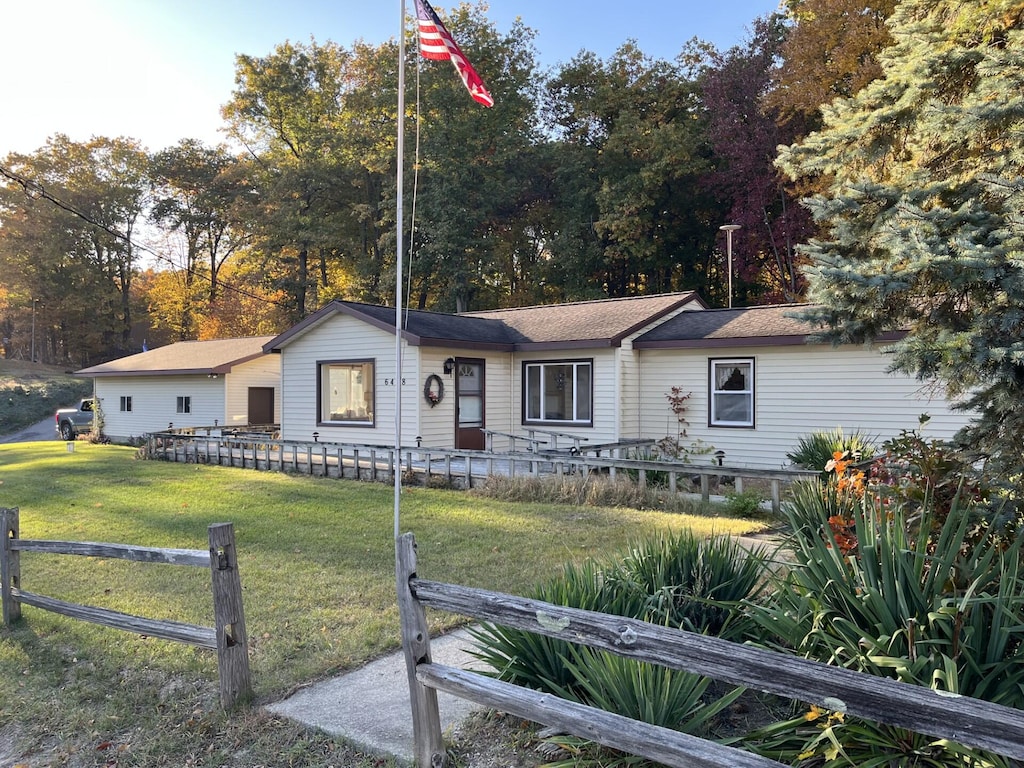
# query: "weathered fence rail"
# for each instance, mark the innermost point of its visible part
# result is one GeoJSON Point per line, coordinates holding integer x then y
{"type": "Point", "coordinates": [968, 721]}
{"type": "Point", "coordinates": [227, 637]}
{"type": "Point", "coordinates": [462, 467]}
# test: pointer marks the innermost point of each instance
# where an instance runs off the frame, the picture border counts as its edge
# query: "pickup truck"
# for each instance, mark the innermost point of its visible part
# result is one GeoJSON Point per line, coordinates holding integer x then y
{"type": "Point", "coordinates": [71, 422]}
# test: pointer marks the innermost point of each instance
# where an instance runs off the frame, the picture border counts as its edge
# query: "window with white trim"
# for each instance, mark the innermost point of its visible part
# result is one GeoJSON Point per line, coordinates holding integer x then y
{"type": "Point", "coordinates": [731, 401]}
{"type": "Point", "coordinates": [558, 392]}
{"type": "Point", "coordinates": [126, 403]}
{"type": "Point", "coordinates": [184, 404]}
{"type": "Point", "coordinates": [346, 393]}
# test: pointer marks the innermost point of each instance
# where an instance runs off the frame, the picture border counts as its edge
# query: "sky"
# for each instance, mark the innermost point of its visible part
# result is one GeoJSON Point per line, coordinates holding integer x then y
{"type": "Point", "coordinates": [159, 70]}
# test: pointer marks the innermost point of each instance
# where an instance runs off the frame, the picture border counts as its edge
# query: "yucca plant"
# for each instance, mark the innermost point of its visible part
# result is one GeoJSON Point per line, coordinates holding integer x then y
{"type": "Point", "coordinates": [650, 693]}
{"type": "Point", "coordinates": [678, 580]}
{"type": "Point", "coordinates": [815, 450]}
{"type": "Point", "coordinates": [646, 692]}
{"type": "Point", "coordinates": [536, 661]}
{"type": "Point", "coordinates": [870, 592]}
{"type": "Point", "coordinates": [690, 582]}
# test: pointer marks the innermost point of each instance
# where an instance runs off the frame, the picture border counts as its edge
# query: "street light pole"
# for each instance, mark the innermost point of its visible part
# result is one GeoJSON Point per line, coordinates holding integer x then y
{"type": "Point", "coordinates": [729, 229]}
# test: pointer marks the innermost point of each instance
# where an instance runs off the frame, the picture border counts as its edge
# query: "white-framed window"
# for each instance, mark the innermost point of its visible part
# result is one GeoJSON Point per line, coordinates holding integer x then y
{"type": "Point", "coordinates": [559, 392]}
{"type": "Point", "coordinates": [184, 404]}
{"type": "Point", "coordinates": [731, 386]}
{"type": "Point", "coordinates": [126, 403]}
{"type": "Point", "coordinates": [346, 392]}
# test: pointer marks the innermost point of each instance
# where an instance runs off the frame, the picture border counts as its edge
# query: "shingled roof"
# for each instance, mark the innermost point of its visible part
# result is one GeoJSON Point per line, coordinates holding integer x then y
{"type": "Point", "coordinates": [184, 357]}
{"type": "Point", "coordinates": [605, 322]}
{"type": "Point", "coordinates": [749, 326]}
{"type": "Point", "coordinates": [599, 323]}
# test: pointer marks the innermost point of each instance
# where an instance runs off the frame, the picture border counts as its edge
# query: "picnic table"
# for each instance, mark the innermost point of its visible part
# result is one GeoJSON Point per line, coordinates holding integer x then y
{"type": "Point", "coordinates": [533, 443]}
{"type": "Point", "coordinates": [627, 443]}
{"type": "Point", "coordinates": [576, 439]}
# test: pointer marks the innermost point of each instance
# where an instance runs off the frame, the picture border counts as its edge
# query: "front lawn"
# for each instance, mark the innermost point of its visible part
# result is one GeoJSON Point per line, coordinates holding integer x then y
{"type": "Point", "coordinates": [316, 559]}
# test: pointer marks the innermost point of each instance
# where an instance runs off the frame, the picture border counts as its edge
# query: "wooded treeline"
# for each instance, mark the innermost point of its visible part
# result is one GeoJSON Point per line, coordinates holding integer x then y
{"type": "Point", "coordinates": [601, 177]}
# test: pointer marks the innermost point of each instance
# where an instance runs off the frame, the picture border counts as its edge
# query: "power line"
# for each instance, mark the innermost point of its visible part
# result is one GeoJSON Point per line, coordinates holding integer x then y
{"type": "Point", "coordinates": [34, 190]}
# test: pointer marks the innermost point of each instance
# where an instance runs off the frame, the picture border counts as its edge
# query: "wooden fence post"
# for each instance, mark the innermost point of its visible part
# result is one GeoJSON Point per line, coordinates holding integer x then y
{"type": "Point", "coordinates": [229, 618]}
{"type": "Point", "coordinates": [428, 744]}
{"type": "Point", "coordinates": [10, 565]}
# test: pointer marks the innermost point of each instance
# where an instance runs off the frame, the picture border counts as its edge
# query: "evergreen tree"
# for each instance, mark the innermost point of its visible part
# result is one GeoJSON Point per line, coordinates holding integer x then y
{"type": "Point", "coordinates": [925, 189]}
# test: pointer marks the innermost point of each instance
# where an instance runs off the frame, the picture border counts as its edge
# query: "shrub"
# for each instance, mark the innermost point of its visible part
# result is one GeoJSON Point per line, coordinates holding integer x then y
{"type": "Point", "coordinates": [537, 661]}
{"type": "Point", "coordinates": [647, 692]}
{"type": "Point", "coordinates": [691, 583]}
{"type": "Point", "coordinates": [743, 503]}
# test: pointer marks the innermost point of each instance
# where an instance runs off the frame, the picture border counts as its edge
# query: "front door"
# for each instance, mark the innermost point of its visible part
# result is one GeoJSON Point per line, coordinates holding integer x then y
{"type": "Point", "coordinates": [469, 404]}
{"type": "Point", "coordinates": [261, 405]}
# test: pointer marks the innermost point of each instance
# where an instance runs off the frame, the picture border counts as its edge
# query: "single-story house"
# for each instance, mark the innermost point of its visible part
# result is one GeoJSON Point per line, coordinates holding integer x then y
{"type": "Point", "coordinates": [598, 370]}
{"type": "Point", "coordinates": [223, 382]}
{"type": "Point", "coordinates": [565, 367]}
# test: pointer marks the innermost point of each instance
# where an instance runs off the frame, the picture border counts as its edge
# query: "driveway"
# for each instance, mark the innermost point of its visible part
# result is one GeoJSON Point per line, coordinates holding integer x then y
{"type": "Point", "coordinates": [44, 430]}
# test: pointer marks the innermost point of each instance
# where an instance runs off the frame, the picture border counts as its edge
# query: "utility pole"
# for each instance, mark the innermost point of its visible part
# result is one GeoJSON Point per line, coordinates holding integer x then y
{"type": "Point", "coordinates": [32, 357]}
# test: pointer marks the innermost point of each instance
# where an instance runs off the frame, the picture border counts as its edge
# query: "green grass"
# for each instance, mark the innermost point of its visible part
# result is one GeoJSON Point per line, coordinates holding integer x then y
{"type": "Point", "coordinates": [316, 559]}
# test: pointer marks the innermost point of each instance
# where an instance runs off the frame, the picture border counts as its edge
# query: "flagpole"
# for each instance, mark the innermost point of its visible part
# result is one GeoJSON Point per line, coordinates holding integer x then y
{"type": "Point", "coordinates": [398, 273]}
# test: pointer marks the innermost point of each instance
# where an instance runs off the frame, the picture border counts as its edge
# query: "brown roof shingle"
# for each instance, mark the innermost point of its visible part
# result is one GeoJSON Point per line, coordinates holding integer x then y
{"type": "Point", "coordinates": [184, 357]}
{"type": "Point", "coordinates": [605, 322]}
{"type": "Point", "coordinates": [764, 325]}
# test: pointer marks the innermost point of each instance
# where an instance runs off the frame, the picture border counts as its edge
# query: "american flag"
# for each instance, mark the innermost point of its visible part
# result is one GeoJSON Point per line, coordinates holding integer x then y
{"type": "Point", "coordinates": [437, 43]}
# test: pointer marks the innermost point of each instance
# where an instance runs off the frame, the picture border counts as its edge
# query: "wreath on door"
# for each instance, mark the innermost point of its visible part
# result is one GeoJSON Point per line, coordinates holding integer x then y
{"type": "Point", "coordinates": [433, 390]}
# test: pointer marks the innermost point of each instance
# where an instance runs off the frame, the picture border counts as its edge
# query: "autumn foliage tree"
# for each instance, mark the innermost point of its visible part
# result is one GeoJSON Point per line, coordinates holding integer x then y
{"type": "Point", "coordinates": [633, 146]}
{"type": "Point", "coordinates": [831, 51]}
{"type": "Point", "coordinates": [69, 242]}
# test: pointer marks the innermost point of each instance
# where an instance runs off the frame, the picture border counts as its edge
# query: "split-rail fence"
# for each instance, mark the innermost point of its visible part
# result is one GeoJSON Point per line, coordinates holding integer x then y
{"type": "Point", "coordinates": [227, 637]}
{"type": "Point", "coordinates": [968, 721]}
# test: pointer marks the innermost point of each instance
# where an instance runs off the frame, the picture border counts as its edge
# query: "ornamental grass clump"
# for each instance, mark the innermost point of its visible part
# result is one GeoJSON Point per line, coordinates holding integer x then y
{"type": "Point", "coordinates": [899, 584]}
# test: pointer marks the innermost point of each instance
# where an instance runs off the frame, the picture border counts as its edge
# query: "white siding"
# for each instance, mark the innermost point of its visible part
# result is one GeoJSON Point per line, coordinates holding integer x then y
{"type": "Point", "coordinates": [154, 403]}
{"type": "Point", "coordinates": [264, 371]}
{"type": "Point", "coordinates": [437, 424]}
{"type": "Point", "coordinates": [341, 337]}
{"type": "Point", "coordinates": [631, 396]}
{"type": "Point", "coordinates": [798, 390]}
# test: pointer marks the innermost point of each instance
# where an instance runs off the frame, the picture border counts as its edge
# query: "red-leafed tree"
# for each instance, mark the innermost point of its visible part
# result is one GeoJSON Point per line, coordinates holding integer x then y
{"type": "Point", "coordinates": [745, 134]}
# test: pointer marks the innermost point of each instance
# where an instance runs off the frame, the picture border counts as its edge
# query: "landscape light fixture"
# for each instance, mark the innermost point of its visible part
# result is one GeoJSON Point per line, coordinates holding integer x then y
{"type": "Point", "coordinates": [729, 229]}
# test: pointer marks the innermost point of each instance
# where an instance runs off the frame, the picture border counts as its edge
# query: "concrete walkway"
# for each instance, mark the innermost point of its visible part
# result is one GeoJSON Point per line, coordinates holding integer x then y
{"type": "Point", "coordinates": [370, 708]}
